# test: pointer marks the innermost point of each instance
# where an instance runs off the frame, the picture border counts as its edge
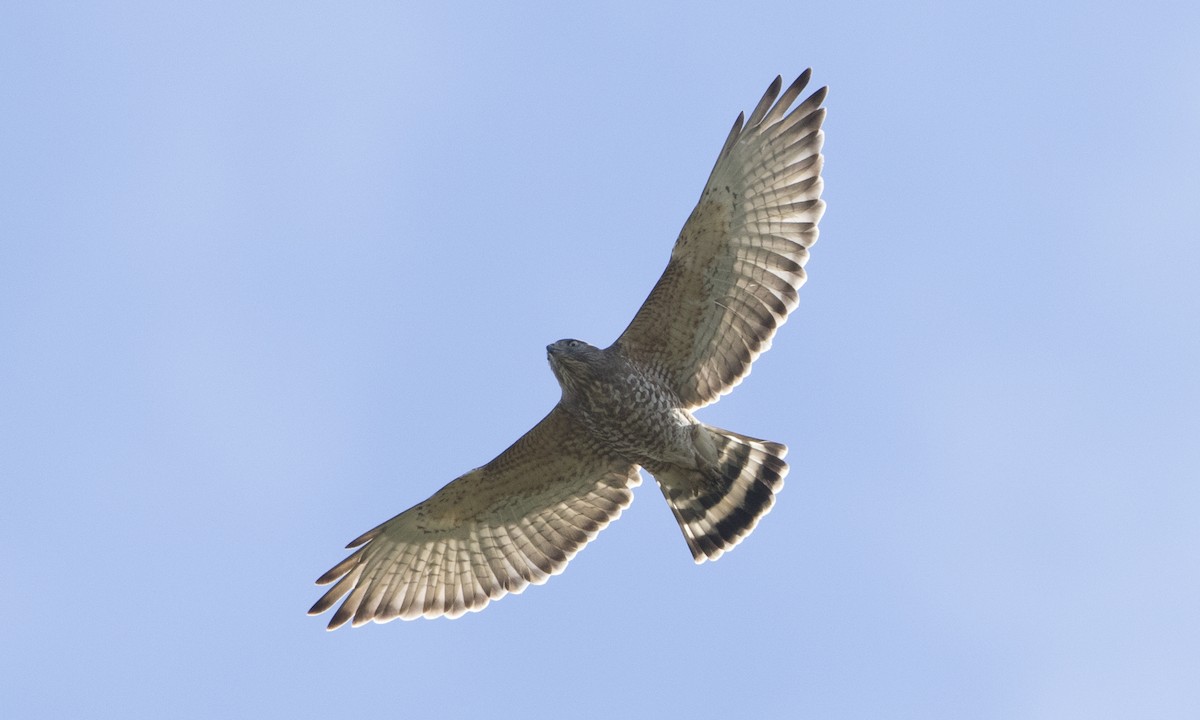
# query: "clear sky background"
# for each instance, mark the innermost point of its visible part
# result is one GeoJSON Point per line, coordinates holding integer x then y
{"type": "Point", "coordinates": [271, 273]}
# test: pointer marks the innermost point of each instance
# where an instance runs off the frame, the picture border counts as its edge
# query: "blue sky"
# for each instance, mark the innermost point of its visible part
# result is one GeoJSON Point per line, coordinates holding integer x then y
{"type": "Point", "coordinates": [273, 272]}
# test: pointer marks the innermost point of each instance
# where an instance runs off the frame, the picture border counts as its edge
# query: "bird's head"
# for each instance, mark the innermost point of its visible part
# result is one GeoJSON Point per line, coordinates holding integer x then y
{"type": "Point", "coordinates": [570, 358]}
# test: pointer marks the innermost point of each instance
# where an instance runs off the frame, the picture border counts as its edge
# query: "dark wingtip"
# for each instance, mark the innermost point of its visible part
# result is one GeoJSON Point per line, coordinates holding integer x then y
{"type": "Point", "coordinates": [340, 618]}
{"type": "Point", "coordinates": [321, 605]}
{"type": "Point", "coordinates": [799, 83]}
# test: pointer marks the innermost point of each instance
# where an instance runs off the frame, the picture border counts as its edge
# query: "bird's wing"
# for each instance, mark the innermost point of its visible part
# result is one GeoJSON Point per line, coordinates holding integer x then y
{"type": "Point", "coordinates": [495, 530]}
{"type": "Point", "coordinates": [739, 260]}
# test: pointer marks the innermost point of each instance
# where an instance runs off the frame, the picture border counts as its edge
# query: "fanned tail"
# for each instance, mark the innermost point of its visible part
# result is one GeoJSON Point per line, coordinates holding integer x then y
{"type": "Point", "coordinates": [720, 504]}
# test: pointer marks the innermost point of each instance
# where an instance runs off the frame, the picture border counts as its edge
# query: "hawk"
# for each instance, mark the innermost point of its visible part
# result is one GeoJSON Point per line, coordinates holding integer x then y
{"type": "Point", "coordinates": [730, 283]}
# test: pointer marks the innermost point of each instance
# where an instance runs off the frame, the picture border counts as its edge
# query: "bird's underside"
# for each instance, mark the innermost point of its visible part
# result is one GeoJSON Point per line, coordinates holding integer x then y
{"type": "Point", "coordinates": [731, 281]}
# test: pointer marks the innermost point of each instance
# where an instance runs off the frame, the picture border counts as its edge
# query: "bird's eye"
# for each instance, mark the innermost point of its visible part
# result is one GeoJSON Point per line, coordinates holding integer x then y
{"type": "Point", "coordinates": [573, 344]}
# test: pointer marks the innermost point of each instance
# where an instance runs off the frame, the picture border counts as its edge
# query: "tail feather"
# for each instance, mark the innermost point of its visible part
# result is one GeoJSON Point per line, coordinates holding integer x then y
{"type": "Point", "coordinates": [718, 505]}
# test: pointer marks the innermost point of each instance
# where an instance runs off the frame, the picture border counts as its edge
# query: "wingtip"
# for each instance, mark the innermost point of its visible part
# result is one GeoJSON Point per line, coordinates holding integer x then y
{"type": "Point", "coordinates": [368, 535]}
{"type": "Point", "coordinates": [322, 604]}
{"type": "Point", "coordinates": [734, 133]}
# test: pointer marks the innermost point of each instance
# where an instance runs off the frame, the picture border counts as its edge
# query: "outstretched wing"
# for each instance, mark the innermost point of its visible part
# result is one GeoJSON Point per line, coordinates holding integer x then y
{"type": "Point", "coordinates": [739, 260]}
{"type": "Point", "coordinates": [515, 521]}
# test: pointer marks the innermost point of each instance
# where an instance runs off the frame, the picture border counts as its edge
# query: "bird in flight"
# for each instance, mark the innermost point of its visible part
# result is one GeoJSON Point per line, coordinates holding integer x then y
{"type": "Point", "coordinates": [730, 283]}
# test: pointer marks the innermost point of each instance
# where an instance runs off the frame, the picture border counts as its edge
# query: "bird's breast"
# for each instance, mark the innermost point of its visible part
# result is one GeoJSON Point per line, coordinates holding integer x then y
{"type": "Point", "coordinates": [633, 415]}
